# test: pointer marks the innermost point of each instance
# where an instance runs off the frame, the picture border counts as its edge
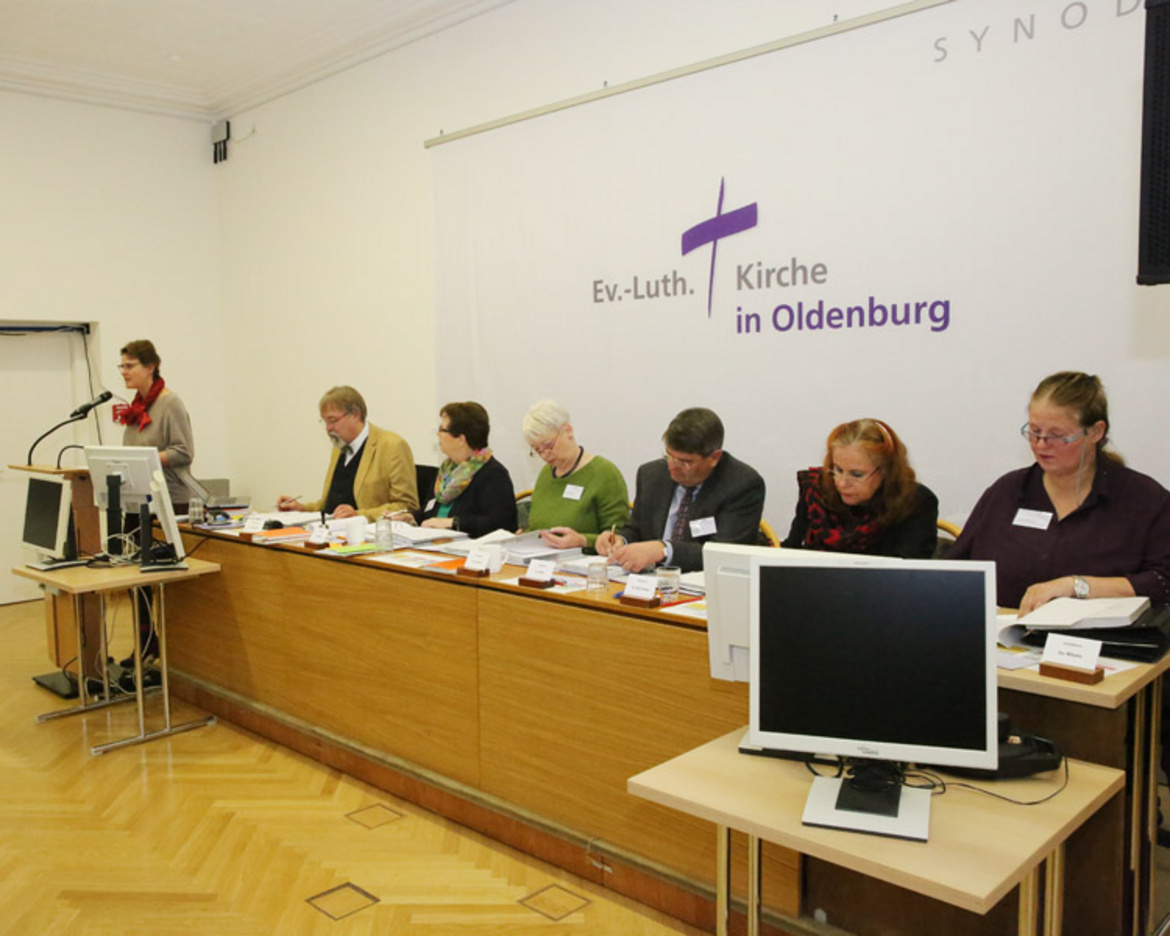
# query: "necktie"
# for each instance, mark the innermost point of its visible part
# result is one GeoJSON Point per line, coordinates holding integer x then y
{"type": "Point", "coordinates": [682, 519]}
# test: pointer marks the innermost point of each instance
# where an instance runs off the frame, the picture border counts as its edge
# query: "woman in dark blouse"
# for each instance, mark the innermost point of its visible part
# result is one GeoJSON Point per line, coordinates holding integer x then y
{"type": "Point", "coordinates": [473, 491]}
{"type": "Point", "coordinates": [865, 498]}
{"type": "Point", "coordinates": [1077, 523]}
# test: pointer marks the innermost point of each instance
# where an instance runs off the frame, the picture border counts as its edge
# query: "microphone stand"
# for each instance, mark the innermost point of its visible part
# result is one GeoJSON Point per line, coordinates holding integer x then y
{"type": "Point", "coordinates": [71, 419]}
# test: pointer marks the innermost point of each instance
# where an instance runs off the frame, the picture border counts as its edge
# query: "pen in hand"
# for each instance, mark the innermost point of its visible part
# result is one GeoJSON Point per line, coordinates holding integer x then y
{"type": "Point", "coordinates": [288, 500]}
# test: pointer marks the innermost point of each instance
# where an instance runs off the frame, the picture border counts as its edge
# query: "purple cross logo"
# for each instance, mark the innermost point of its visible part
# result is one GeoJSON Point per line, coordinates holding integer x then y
{"type": "Point", "coordinates": [713, 229]}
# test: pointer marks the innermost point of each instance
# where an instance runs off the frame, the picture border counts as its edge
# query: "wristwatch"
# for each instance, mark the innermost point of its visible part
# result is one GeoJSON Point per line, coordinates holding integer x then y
{"type": "Point", "coordinates": [1080, 587]}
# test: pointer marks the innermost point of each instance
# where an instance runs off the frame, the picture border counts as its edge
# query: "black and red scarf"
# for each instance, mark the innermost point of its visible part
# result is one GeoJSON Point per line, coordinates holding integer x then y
{"type": "Point", "coordinates": [854, 530]}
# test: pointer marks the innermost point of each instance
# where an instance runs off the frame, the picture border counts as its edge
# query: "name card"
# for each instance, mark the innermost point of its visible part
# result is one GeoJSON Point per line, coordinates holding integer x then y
{"type": "Point", "coordinates": [541, 570]}
{"type": "Point", "coordinates": [641, 586]}
{"type": "Point", "coordinates": [573, 492]}
{"type": "Point", "coordinates": [704, 526]}
{"type": "Point", "coordinates": [254, 525]}
{"type": "Point", "coordinates": [1077, 652]}
{"type": "Point", "coordinates": [1036, 519]}
{"type": "Point", "coordinates": [489, 557]}
{"type": "Point", "coordinates": [320, 535]}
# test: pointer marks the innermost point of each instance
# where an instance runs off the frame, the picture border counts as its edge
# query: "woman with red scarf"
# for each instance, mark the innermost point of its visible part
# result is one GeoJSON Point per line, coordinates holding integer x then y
{"type": "Point", "coordinates": [156, 417]}
{"type": "Point", "coordinates": [865, 498]}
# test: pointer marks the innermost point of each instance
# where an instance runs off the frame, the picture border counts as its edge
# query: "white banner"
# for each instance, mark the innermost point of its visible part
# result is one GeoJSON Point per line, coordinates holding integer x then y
{"type": "Point", "coordinates": [914, 221]}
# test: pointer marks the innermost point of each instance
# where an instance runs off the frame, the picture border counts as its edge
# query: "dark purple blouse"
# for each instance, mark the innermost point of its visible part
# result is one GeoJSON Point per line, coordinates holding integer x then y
{"type": "Point", "coordinates": [1122, 528]}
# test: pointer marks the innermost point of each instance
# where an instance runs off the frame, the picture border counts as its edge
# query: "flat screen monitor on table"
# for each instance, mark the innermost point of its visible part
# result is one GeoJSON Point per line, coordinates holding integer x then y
{"type": "Point", "coordinates": [128, 478]}
{"type": "Point", "coordinates": [48, 518]}
{"type": "Point", "coordinates": [886, 663]}
{"type": "Point", "coordinates": [877, 662]}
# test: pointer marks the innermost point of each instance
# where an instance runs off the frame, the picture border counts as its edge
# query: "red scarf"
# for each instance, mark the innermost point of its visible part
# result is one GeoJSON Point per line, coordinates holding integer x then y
{"type": "Point", "coordinates": [135, 414]}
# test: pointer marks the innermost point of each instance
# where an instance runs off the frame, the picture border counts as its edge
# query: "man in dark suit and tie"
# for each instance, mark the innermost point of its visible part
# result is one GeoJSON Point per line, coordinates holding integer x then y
{"type": "Point", "coordinates": [696, 493]}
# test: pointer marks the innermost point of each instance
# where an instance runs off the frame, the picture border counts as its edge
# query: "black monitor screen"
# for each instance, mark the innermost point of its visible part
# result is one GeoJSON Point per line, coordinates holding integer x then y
{"type": "Point", "coordinates": [874, 654]}
{"type": "Point", "coordinates": [42, 513]}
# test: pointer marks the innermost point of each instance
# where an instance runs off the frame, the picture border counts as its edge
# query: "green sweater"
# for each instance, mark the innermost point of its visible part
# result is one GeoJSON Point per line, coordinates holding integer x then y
{"type": "Point", "coordinates": [604, 500]}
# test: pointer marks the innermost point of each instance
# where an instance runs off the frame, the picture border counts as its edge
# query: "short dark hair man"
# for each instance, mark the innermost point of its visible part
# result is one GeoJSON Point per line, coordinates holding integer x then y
{"type": "Point", "coordinates": [371, 471]}
{"type": "Point", "coordinates": [696, 493]}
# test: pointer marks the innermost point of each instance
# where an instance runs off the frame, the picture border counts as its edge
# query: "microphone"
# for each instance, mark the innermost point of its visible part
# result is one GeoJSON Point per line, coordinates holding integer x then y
{"type": "Point", "coordinates": [86, 407]}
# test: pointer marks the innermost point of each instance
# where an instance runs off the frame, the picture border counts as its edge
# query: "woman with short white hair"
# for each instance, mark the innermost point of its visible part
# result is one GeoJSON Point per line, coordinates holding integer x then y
{"type": "Point", "coordinates": [577, 494]}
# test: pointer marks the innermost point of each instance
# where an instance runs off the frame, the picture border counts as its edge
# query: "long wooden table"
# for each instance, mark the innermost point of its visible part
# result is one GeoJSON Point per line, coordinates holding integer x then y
{"type": "Point", "coordinates": [523, 714]}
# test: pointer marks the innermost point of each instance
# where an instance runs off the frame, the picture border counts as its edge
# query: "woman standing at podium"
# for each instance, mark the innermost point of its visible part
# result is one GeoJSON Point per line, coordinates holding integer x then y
{"type": "Point", "coordinates": [864, 498]}
{"type": "Point", "coordinates": [157, 418]}
{"type": "Point", "coordinates": [473, 490]}
{"type": "Point", "coordinates": [1077, 523]}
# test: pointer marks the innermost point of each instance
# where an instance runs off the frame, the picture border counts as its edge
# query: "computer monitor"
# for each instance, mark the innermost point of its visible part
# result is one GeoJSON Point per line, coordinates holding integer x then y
{"type": "Point", "coordinates": [892, 661]}
{"type": "Point", "coordinates": [137, 480]}
{"type": "Point", "coordinates": [727, 579]}
{"type": "Point", "coordinates": [48, 517]}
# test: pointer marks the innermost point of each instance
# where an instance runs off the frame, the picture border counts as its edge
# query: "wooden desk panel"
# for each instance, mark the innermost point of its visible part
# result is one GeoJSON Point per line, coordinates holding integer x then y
{"type": "Point", "coordinates": [574, 701]}
{"type": "Point", "coordinates": [380, 658]}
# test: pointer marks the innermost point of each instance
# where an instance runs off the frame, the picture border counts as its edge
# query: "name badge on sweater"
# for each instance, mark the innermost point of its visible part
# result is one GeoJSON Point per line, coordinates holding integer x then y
{"type": "Point", "coordinates": [704, 526]}
{"type": "Point", "coordinates": [573, 492]}
{"type": "Point", "coordinates": [1036, 519]}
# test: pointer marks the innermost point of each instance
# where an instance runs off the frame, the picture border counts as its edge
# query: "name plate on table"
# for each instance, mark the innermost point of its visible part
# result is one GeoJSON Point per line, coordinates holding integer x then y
{"type": "Point", "coordinates": [482, 560]}
{"type": "Point", "coordinates": [1072, 658]}
{"type": "Point", "coordinates": [641, 591]}
{"type": "Point", "coordinates": [539, 574]}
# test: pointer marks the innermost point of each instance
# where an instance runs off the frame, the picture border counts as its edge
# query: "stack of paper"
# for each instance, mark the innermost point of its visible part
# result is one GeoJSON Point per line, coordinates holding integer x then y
{"type": "Point", "coordinates": [1083, 613]}
{"type": "Point", "coordinates": [518, 550]}
{"type": "Point", "coordinates": [407, 535]}
{"type": "Point", "coordinates": [294, 534]}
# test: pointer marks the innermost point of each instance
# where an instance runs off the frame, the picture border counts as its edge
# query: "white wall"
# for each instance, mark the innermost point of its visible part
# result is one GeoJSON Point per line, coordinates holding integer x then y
{"type": "Point", "coordinates": [108, 217]}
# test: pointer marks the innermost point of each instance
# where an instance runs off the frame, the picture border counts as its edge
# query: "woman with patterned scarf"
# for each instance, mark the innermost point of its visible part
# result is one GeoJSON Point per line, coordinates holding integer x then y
{"type": "Point", "coordinates": [473, 491]}
{"type": "Point", "coordinates": [865, 498]}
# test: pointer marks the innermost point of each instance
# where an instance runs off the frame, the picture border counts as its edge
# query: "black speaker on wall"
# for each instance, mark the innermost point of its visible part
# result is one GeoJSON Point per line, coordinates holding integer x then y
{"type": "Point", "coordinates": [1154, 233]}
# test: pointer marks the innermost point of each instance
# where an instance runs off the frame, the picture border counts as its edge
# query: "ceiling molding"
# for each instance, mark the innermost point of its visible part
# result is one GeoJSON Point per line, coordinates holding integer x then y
{"type": "Point", "coordinates": [358, 44]}
{"type": "Point", "coordinates": [385, 27]}
{"type": "Point", "coordinates": [75, 84]}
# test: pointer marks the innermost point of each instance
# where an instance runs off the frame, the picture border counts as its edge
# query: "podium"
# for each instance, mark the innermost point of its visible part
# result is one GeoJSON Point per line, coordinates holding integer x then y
{"type": "Point", "coordinates": [65, 618]}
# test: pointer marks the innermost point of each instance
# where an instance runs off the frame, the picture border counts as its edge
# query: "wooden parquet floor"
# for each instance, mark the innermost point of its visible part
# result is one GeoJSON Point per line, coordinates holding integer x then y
{"type": "Point", "coordinates": [215, 831]}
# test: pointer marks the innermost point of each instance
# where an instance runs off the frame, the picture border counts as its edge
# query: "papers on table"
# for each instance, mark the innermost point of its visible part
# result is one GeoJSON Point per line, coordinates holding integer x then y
{"type": "Point", "coordinates": [407, 535]}
{"type": "Point", "coordinates": [1081, 613]}
{"type": "Point", "coordinates": [696, 610]}
{"type": "Point", "coordinates": [290, 517]}
{"type": "Point", "coordinates": [518, 550]}
{"type": "Point", "coordinates": [692, 583]}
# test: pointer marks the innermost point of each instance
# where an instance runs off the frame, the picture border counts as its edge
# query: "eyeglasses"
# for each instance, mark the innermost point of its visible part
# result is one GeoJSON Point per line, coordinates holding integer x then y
{"type": "Point", "coordinates": [684, 462]}
{"type": "Point", "coordinates": [332, 421]}
{"type": "Point", "coordinates": [841, 476]}
{"type": "Point", "coordinates": [543, 448]}
{"type": "Point", "coordinates": [1036, 438]}
{"type": "Point", "coordinates": [128, 367]}
{"type": "Point", "coordinates": [445, 429]}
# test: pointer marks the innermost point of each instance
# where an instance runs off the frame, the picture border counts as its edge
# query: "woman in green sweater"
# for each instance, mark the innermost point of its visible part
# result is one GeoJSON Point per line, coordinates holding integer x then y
{"type": "Point", "coordinates": [577, 494]}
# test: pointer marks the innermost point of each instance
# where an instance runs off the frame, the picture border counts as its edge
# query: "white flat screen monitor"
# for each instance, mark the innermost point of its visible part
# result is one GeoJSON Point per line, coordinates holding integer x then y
{"type": "Point", "coordinates": [140, 473]}
{"type": "Point", "coordinates": [47, 514]}
{"type": "Point", "coordinates": [891, 662]}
